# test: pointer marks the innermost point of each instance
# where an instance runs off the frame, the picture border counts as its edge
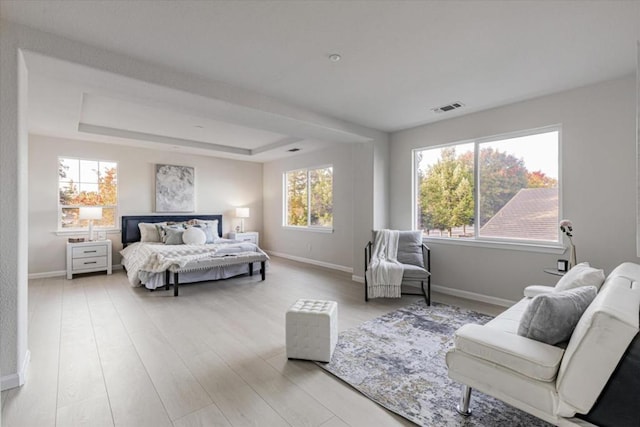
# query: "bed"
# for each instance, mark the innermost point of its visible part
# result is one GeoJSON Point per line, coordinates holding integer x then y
{"type": "Point", "coordinates": [149, 262]}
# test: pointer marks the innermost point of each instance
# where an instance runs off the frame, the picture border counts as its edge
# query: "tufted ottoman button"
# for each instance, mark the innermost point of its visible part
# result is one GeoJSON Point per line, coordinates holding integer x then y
{"type": "Point", "coordinates": [312, 329]}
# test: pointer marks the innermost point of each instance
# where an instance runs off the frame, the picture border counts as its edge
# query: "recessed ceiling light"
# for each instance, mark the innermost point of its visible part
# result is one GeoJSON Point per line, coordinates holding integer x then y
{"type": "Point", "coordinates": [334, 57]}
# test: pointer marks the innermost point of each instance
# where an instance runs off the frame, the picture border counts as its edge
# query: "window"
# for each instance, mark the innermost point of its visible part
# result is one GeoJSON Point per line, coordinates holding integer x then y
{"type": "Point", "coordinates": [309, 198]}
{"type": "Point", "coordinates": [501, 188]}
{"type": "Point", "coordinates": [83, 183]}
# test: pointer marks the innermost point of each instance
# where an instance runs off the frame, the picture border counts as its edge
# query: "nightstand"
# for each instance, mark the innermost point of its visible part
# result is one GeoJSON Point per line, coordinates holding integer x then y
{"type": "Point", "coordinates": [85, 257]}
{"type": "Point", "coordinates": [247, 236]}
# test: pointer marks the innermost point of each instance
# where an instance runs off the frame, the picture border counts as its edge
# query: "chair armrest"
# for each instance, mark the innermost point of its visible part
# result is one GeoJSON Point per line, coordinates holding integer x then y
{"type": "Point", "coordinates": [426, 258]}
{"type": "Point", "coordinates": [525, 356]}
{"type": "Point", "coordinates": [533, 290]}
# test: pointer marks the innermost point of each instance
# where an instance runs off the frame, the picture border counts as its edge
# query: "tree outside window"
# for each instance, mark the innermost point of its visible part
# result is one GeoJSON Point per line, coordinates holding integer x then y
{"type": "Point", "coordinates": [87, 183]}
{"type": "Point", "coordinates": [309, 197]}
{"type": "Point", "coordinates": [502, 188]}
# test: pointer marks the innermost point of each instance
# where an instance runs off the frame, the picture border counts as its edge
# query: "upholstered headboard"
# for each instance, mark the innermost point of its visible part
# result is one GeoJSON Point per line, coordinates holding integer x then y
{"type": "Point", "coordinates": [131, 232]}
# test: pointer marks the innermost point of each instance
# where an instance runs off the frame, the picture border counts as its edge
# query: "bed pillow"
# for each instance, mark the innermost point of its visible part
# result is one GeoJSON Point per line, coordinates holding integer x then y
{"type": "Point", "coordinates": [173, 236]}
{"type": "Point", "coordinates": [210, 234]}
{"type": "Point", "coordinates": [194, 236]}
{"type": "Point", "coordinates": [581, 275]}
{"type": "Point", "coordinates": [213, 224]}
{"type": "Point", "coordinates": [163, 231]}
{"type": "Point", "coordinates": [149, 231]}
{"type": "Point", "coordinates": [552, 317]}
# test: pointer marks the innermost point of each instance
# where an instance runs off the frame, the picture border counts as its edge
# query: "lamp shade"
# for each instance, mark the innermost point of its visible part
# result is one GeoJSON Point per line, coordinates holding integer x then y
{"type": "Point", "coordinates": [242, 212]}
{"type": "Point", "coordinates": [90, 213]}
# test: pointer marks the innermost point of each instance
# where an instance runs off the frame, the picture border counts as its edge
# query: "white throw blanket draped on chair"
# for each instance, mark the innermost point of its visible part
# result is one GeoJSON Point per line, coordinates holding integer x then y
{"type": "Point", "coordinates": [384, 275]}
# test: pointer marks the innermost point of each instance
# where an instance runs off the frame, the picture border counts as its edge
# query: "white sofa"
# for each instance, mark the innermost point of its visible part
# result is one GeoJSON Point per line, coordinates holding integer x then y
{"type": "Point", "coordinates": [550, 382]}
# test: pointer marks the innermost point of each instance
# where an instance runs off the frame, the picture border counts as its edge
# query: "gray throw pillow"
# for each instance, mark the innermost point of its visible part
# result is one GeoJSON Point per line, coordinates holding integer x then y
{"type": "Point", "coordinates": [211, 235]}
{"type": "Point", "coordinates": [410, 248]}
{"type": "Point", "coordinates": [173, 236]}
{"type": "Point", "coordinates": [552, 317]}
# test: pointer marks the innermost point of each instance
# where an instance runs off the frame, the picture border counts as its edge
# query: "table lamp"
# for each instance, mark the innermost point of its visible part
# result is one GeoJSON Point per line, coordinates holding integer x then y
{"type": "Point", "coordinates": [242, 213]}
{"type": "Point", "coordinates": [90, 213]}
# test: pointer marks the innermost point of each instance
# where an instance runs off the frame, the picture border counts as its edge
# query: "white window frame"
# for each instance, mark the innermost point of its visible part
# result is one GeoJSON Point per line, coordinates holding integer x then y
{"type": "Point", "coordinates": [75, 230]}
{"type": "Point", "coordinates": [308, 227]}
{"type": "Point", "coordinates": [512, 244]}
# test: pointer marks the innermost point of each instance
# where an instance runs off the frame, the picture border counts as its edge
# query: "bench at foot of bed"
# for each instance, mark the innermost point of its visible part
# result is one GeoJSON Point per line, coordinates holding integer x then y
{"type": "Point", "coordinates": [215, 262]}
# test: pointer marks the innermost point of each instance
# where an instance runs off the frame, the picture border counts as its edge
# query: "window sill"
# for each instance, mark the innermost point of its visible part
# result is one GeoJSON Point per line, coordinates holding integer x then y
{"type": "Point", "coordinates": [312, 229]}
{"type": "Point", "coordinates": [76, 231]}
{"type": "Point", "coordinates": [519, 246]}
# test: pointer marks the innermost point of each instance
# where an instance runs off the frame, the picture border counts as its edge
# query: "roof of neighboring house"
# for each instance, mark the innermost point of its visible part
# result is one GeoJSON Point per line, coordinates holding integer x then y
{"type": "Point", "coordinates": [531, 214]}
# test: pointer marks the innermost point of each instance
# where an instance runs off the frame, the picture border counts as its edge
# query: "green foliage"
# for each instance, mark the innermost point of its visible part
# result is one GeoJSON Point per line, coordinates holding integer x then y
{"type": "Point", "coordinates": [297, 198]}
{"type": "Point", "coordinates": [502, 175]}
{"type": "Point", "coordinates": [310, 198]}
{"type": "Point", "coordinates": [446, 188]}
{"type": "Point", "coordinates": [446, 193]}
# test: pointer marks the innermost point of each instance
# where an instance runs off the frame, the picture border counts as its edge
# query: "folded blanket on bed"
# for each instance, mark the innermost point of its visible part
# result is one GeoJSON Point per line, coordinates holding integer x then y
{"type": "Point", "coordinates": [384, 275]}
{"type": "Point", "coordinates": [156, 257]}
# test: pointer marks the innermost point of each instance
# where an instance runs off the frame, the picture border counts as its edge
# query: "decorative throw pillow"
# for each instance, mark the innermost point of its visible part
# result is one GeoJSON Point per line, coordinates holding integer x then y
{"type": "Point", "coordinates": [209, 233]}
{"type": "Point", "coordinates": [194, 236]}
{"type": "Point", "coordinates": [552, 317]}
{"type": "Point", "coordinates": [173, 236]}
{"type": "Point", "coordinates": [162, 230]}
{"type": "Point", "coordinates": [410, 248]}
{"type": "Point", "coordinates": [149, 231]}
{"type": "Point", "coordinates": [213, 224]}
{"type": "Point", "coordinates": [581, 275]}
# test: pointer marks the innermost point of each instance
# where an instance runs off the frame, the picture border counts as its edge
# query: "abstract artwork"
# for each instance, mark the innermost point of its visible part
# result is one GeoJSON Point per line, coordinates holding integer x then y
{"type": "Point", "coordinates": [175, 191]}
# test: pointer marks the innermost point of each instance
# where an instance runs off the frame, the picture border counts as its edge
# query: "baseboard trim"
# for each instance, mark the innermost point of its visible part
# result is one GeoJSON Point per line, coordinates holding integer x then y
{"type": "Point", "coordinates": [312, 261]}
{"type": "Point", "coordinates": [59, 273]}
{"type": "Point", "coordinates": [472, 296]}
{"type": "Point", "coordinates": [17, 379]}
{"type": "Point", "coordinates": [459, 293]}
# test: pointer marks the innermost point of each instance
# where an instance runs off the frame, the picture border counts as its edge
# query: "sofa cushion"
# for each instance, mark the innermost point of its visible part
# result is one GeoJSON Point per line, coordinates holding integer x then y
{"type": "Point", "coordinates": [527, 357]}
{"type": "Point", "coordinates": [552, 317]}
{"type": "Point", "coordinates": [581, 275]}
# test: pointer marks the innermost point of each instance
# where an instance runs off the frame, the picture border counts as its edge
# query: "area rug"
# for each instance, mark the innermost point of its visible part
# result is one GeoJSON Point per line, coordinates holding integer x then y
{"type": "Point", "coordinates": [398, 361]}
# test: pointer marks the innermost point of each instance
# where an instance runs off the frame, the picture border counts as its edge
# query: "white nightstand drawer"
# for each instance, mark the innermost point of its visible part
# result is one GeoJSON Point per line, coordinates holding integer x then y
{"type": "Point", "coordinates": [89, 251]}
{"type": "Point", "coordinates": [93, 262]}
{"type": "Point", "coordinates": [248, 236]}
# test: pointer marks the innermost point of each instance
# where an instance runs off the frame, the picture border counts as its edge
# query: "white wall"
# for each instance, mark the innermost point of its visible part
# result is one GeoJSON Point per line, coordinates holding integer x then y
{"type": "Point", "coordinates": [220, 184]}
{"type": "Point", "coordinates": [598, 185]}
{"type": "Point", "coordinates": [328, 248]}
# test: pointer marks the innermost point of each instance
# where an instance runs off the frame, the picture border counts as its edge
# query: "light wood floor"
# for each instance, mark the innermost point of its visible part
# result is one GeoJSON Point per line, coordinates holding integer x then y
{"type": "Point", "coordinates": [104, 354]}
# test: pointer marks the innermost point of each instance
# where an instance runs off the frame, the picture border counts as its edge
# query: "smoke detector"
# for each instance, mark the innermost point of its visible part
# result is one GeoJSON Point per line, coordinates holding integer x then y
{"type": "Point", "coordinates": [448, 107]}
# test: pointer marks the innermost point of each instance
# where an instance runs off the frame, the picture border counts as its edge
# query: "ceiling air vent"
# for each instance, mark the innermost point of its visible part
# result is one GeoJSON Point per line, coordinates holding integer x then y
{"type": "Point", "coordinates": [293, 150]}
{"type": "Point", "coordinates": [448, 107]}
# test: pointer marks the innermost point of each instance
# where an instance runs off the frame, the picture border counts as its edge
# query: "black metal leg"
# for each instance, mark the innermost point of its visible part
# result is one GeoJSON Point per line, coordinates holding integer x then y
{"type": "Point", "coordinates": [263, 270]}
{"type": "Point", "coordinates": [366, 288]}
{"type": "Point", "coordinates": [429, 289]}
{"type": "Point", "coordinates": [166, 280]}
{"type": "Point", "coordinates": [175, 284]}
{"type": "Point", "coordinates": [250, 269]}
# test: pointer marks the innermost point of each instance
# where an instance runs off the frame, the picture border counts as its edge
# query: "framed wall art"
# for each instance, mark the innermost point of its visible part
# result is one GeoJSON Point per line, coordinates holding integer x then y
{"type": "Point", "coordinates": [175, 188]}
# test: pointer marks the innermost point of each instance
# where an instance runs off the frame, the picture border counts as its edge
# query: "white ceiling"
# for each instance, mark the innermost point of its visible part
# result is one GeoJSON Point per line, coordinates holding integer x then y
{"type": "Point", "coordinates": [399, 60]}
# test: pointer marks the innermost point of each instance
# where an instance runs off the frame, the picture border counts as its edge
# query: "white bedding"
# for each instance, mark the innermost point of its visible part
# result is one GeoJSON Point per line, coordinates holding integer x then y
{"type": "Point", "coordinates": [145, 260]}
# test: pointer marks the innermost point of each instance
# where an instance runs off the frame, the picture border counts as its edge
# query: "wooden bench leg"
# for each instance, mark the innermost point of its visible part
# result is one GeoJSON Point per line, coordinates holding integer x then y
{"type": "Point", "coordinates": [175, 284]}
{"type": "Point", "coordinates": [263, 270]}
{"type": "Point", "coordinates": [250, 269]}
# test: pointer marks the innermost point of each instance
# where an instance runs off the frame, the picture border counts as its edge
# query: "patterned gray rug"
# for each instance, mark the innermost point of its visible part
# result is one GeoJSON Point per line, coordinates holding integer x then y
{"type": "Point", "coordinates": [398, 361]}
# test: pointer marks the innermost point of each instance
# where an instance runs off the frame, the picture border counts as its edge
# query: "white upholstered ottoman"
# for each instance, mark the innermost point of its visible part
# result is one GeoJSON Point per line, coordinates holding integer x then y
{"type": "Point", "coordinates": [312, 329]}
